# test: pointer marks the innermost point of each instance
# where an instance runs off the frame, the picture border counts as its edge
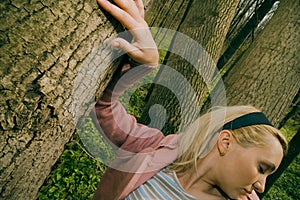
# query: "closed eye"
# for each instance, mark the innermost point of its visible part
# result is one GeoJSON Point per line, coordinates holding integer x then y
{"type": "Point", "coordinates": [261, 169]}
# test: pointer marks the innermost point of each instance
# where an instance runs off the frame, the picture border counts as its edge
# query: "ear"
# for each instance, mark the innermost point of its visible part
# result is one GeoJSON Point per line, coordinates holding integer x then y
{"type": "Point", "coordinates": [224, 141]}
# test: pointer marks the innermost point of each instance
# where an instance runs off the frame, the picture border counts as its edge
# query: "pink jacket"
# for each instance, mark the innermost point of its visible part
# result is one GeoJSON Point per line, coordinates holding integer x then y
{"type": "Point", "coordinates": [147, 149]}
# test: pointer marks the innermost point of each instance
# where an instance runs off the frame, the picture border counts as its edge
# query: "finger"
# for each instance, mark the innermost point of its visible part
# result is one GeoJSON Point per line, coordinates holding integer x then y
{"type": "Point", "coordinates": [130, 7]}
{"type": "Point", "coordinates": [119, 14]}
{"type": "Point", "coordinates": [140, 6]}
{"type": "Point", "coordinates": [120, 43]}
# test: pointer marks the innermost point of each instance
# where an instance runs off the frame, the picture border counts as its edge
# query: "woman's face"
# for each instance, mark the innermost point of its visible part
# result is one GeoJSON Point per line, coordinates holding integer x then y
{"type": "Point", "coordinates": [243, 170]}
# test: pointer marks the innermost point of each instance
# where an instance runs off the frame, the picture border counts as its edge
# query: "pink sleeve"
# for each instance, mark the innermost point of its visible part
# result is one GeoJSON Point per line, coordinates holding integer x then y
{"type": "Point", "coordinates": [113, 120]}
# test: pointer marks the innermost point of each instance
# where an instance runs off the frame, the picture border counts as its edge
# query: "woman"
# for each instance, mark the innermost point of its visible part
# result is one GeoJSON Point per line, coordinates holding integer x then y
{"type": "Point", "coordinates": [211, 160]}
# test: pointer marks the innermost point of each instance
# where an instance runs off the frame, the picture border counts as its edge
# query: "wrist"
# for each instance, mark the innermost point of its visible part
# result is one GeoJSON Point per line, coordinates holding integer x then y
{"type": "Point", "coordinates": [134, 64]}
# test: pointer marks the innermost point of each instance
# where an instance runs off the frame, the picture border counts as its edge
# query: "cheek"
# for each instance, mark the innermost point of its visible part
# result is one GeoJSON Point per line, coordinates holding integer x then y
{"type": "Point", "coordinates": [247, 175]}
{"type": "Point", "coordinates": [237, 175]}
{"type": "Point", "coordinates": [241, 171]}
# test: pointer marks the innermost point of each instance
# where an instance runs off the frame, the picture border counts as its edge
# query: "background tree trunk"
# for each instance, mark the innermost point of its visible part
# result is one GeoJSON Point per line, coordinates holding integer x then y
{"type": "Point", "coordinates": [268, 74]}
{"type": "Point", "coordinates": [166, 13]}
{"type": "Point", "coordinates": [244, 27]}
{"type": "Point", "coordinates": [208, 27]}
{"type": "Point", "coordinates": [43, 46]}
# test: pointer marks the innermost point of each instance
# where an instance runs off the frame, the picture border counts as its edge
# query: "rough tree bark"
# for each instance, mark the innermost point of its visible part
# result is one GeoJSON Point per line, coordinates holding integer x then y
{"type": "Point", "coordinates": [243, 26]}
{"type": "Point", "coordinates": [268, 74]}
{"type": "Point", "coordinates": [43, 45]}
{"type": "Point", "coordinates": [166, 13]}
{"type": "Point", "coordinates": [206, 22]}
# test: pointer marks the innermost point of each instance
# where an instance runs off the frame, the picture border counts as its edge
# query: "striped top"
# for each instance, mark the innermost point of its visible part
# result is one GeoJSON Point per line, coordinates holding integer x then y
{"type": "Point", "coordinates": [163, 185]}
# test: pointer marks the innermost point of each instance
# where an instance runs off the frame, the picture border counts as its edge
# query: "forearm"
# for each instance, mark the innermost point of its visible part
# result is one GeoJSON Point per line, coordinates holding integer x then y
{"type": "Point", "coordinates": [109, 115]}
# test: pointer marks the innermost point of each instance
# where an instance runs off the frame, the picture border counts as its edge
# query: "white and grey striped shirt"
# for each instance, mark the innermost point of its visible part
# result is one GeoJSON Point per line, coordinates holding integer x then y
{"type": "Point", "coordinates": [162, 186]}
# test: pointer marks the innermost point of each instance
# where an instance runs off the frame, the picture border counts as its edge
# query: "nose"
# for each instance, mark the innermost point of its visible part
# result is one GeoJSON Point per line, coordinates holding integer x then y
{"type": "Point", "coordinates": [259, 185]}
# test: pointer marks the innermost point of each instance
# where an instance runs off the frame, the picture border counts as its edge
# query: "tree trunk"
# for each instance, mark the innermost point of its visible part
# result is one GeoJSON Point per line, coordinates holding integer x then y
{"type": "Point", "coordinates": [166, 13]}
{"type": "Point", "coordinates": [268, 74]}
{"type": "Point", "coordinates": [44, 46]}
{"type": "Point", "coordinates": [207, 23]}
{"type": "Point", "coordinates": [243, 26]}
{"type": "Point", "coordinates": [293, 112]}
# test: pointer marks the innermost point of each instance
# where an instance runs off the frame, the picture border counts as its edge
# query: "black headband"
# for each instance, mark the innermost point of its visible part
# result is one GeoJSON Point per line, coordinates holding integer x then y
{"type": "Point", "coordinates": [249, 119]}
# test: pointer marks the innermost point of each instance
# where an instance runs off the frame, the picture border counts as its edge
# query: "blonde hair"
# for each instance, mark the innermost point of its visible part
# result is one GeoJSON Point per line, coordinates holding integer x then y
{"type": "Point", "coordinates": [198, 139]}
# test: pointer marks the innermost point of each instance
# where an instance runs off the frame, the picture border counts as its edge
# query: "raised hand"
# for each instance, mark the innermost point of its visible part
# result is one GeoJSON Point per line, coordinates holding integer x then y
{"type": "Point", "coordinates": [130, 14]}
